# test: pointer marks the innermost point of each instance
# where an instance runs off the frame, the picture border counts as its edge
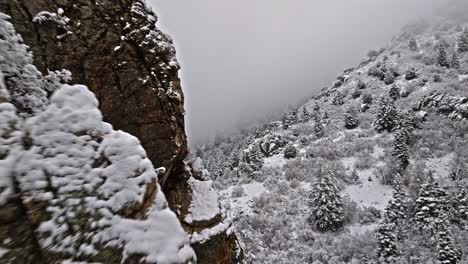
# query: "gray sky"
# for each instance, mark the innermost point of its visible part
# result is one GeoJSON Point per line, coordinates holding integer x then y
{"type": "Point", "coordinates": [243, 60]}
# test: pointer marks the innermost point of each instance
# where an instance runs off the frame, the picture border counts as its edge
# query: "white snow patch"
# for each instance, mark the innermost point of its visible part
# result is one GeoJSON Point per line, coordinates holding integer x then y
{"type": "Point", "coordinates": [275, 161]}
{"type": "Point", "coordinates": [243, 205]}
{"type": "Point", "coordinates": [3, 251]}
{"type": "Point", "coordinates": [378, 152]}
{"type": "Point", "coordinates": [349, 162]}
{"type": "Point", "coordinates": [463, 77]}
{"type": "Point", "coordinates": [369, 193]}
{"type": "Point", "coordinates": [440, 167]}
{"type": "Point", "coordinates": [359, 229]}
{"type": "Point", "coordinates": [205, 203]}
{"type": "Point", "coordinates": [208, 233]}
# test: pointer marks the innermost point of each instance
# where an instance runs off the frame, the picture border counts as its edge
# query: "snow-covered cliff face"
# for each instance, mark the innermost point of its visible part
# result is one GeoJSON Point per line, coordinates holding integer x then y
{"type": "Point", "coordinates": [71, 187]}
{"type": "Point", "coordinates": [269, 176]}
{"type": "Point", "coordinates": [117, 51]}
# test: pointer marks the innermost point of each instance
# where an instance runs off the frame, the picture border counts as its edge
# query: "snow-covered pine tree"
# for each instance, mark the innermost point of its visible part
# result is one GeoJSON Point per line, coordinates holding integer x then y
{"type": "Point", "coordinates": [367, 99]}
{"type": "Point", "coordinates": [400, 149]}
{"type": "Point", "coordinates": [386, 118]}
{"type": "Point", "coordinates": [326, 204]}
{"type": "Point", "coordinates": [389, 77]}
{"type": "Point", "coordinates": [318, 125]}
{"type": "Point", "coordinates": [394, 92]}
{"type": "Point", "coordinates": [406, 125]}
{"type": "Point", "coordinates": [460, 206]}
{"type": "Point", "coordinates": [387, 242]}
{"type": "Point", "coordinates": [338, 99]}
{"type": "Point", "coordinates": [305, 116]}
{"type": "Point", "coordinates": [413, 45]}
{"type": "Point", "coordinates": [355, 177]}
{"type": "Point", "coordinates": [411, 74]}
{"type": "Point", "coordinates": [463, 41]}
{"type": "Point", "coordinates": [455, 61]}
{"type": "Point", "coordinates": [447, 252]}
{"type": "Point", "coordinates": [286, 121]}
{"type": "Point", "coordinates": [351, 118]}
{"type": "Point", "coordinates": [430, 205]}
{"type": "Point", "coordinates": [294, 116]}
{"type": "Point", "coordinates": [290, 152]}
{"type": "Point", "coordinates": [361, 85]}
{"type": "Point", "coordinates": [396, 208]}
{"type": "Point", "coordinates": [442, 59]}
{"type": "Point", "coordinates": [251, 156]}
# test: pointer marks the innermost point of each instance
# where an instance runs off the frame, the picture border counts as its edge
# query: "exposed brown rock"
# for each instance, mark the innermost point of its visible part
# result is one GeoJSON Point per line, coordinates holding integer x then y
{"type": "Point", "coordinates": [115, 49]}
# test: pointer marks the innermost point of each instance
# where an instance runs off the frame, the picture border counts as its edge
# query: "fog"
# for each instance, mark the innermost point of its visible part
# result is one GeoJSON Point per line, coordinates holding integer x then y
{"type": "Point", "coordinates": [246, 60]}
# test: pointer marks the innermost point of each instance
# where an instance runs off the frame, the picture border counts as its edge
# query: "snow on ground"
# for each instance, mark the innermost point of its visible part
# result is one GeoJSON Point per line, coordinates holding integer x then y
{"type": "Point", "coordinates": [205, 204]}
{"type": "Point", "coordinates": [349, 162]}
{"type": "Point", "coordinates": [378, 152]}
{"type": "Point", "coordinates": [359, 229]}
{"type": "Point", "coordinates": [275, 161]}
{"type": "Point", "coordinates": [243, 204]}
{"type": "Point", "coordinates": [440, 167]}
{"type": "Point", "coordinates": [369, 193]}
{"type": "Point", "coordinates": [3, 251]}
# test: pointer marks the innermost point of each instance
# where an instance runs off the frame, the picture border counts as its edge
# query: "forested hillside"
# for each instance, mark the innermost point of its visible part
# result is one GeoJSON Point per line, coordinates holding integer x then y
{"type": "Point", "coordinates": [373, 169]}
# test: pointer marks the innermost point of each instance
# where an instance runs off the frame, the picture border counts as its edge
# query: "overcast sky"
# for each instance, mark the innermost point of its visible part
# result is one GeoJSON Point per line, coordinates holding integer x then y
{"type": "Point", "coordinates": [243, 60]}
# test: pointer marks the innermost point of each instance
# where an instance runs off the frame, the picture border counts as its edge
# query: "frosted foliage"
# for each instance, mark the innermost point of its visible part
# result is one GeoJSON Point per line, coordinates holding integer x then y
{"type": "Point", "coordinates": [9, 138]}
{"type": "Point", "coordinates": [21, 78]}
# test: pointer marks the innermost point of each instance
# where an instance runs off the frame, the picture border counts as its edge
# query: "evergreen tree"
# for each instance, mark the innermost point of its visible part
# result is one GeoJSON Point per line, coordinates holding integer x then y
{"type": "Point", "coordinates": [338, 99]}
{"type": "Point", "coordinates": [318, 125]}
{"type": "Point", "coordinates": [387, 242]}
{"type": "Point", "coordinates": [286, 121]}
{"type": "Point", "coordinates": [447, 252]}
{"type": "Point", "coordinates": [410, 74]}
{"type": "Point", "coordinates": [252, 157]}
{"type": "Point", "coordinates": [305, 117]}
{"type": "Point", "coordinates": [394, 92]}
{"type": "Point", "coordinates": [315, 111]}
{"type": "Point", "coordinates": [355, 177]}
{"type": "Point", "coordinates": [367, 99]}
{"type": "Point", "coordinates": [316, 107]}
{"type": "Point", "coordinates": [463, 41]}
{"type": "Point", "coordinates": [351, 118]}
{"type": "Point", "coordinates": [460, 206]}
{"type": "Point", "coordinates": [430, 205]}
{"type": "Point", "coordinates": [455, 62]}
{"type": "Point", "coordinates": [356, 93]}
{"type": "Point", "coordinates": [387, 114]}
{"type": "Point", "coordinates": [361, 85]}
{"type": "Point", "coordinates": [389, 77]}
{"type": "Point", "coordinates": [406, 125]}
{"type": "Point", "coordinates": [442, 59]}
{"type": "Point", "coordinates": [413, 45]}
{"type": "Point", "coordinates": [400, 149]}
{"type": "Point", "coordinates": [326, 205]}
{"type": "Point", "coordinates": [396, 208]}
{"type": "Point", "coordinates": [294, 117]}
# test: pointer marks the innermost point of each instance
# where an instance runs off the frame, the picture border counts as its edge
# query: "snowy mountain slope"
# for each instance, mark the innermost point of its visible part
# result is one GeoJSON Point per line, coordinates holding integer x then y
{"type": "Point", "coordinates": [391, 134]}
{"type": "Point", "coordinates": [73, 189]}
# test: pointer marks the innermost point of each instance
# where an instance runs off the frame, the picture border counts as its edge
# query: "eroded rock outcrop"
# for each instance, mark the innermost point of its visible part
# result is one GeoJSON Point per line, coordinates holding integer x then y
{"type": "Point", "coordinates": [115, 49]}
{"type": "Point", "coordinates": [455, 107]}
{"type": "Point", "coordinates": [71, 187]}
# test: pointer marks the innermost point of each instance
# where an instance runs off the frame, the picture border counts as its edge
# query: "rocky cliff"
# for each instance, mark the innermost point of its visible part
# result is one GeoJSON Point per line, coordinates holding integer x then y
{"type": "Point", "coordinates": [116, 50]}
{"type": "Point", "coordinates": [73, 189]}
